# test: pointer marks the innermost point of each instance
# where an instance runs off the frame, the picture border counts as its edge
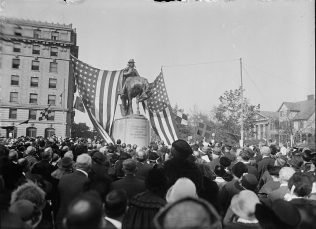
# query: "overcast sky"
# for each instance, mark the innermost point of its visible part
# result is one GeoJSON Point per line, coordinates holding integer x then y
{"type": "Point", "coordinates": [197, 44]}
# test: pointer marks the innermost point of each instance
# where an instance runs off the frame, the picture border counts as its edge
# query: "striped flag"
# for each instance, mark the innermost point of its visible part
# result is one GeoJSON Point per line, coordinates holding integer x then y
{"type": "Point", "coordinates": [160, 112]}
{"type": "Point", "coordinates": [98, 91]}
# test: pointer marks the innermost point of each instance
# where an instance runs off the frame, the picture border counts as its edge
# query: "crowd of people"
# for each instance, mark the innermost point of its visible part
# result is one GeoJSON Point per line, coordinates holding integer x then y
{"type": "Point", "coordinates": [80, 183]}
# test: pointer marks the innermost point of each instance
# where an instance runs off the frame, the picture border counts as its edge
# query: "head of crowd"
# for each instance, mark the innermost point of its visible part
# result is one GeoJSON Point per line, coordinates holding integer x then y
{"type": "Point", "coordinates": [77, 183]}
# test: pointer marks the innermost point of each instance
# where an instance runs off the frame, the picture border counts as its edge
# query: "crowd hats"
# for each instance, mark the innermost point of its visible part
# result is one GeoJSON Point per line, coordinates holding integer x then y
{"type": "Point", "coordinates": [66, 162]}
{"type": "Point", "coordinates": [25, 209]}
{"type": "Point", "coordinates": [187, 213]}
{"type": "Point", "coordinates": [281, 214]}
{"type": "Point", "coordinates": [99, 158]}
{"type": "Point", "coordinates": [244, 203]}
{"type": "Point", "coordinates": [183, 187]}
{"type": "Point", "coordinates": [224, 161]}
{"type": "Point", "coordinates": [239, 169]}
{"type": "Point", "coordinates": [183, 148]}
{"type": "Point", "coordinates": [249, 181]}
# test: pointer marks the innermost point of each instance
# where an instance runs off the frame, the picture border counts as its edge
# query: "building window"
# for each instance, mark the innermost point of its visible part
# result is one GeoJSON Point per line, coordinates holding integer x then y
{"type": "Point", "coordinates": [35, 65]}
{"type": "Point", "coordinates": [32, 114]}
{"type": "Point", "coordinates": [31, 132]}
{"type": "Point", "coordinates": [33, 98]}
{"type": "Point", "coordinates": [55, 36]}
{"type": "Point", "coordinates": [16, 47]}
{"type": "Point", "coordinates": [52, 83]}
{"type": "Point", "coordinates": [15, 80]}
{"type": "Point", "coordinates": [54, 51]}
{"type": "Point", "coordinates": [53, 67]}
{"type": "Point", "coordinates": [49, 132]}
{"type": "Point", "coordinates": [13, 113]}
{"type": "Point", "coordinates": [52, 100]}
{"type": "Point", "coordinates": [16, 63]}
{"type": "Point", "coordinates": [18, 31]}
{"type": "Point", "coordinates": [13, 97]}
{"type": "Point", "coordinates": [36, 33]}
{"type": "Point", "coordinates": [51, 116]}
{"type": "Point", "coordinates": [36, 49]}
{"type": "Point", "coordinates": [34, 81]}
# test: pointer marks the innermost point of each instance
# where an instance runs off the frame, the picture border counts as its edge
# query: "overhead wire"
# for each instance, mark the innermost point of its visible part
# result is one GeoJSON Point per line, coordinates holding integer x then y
{"type": "Point", "coordinates": [200, 63]}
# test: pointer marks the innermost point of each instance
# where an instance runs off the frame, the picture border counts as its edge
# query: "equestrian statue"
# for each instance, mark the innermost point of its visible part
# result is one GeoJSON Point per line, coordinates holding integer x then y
{"type": "Point", "coordinates": [133, 86]}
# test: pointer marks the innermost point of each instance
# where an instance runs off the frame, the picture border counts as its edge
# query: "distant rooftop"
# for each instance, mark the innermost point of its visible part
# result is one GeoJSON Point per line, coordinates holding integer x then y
{"type": "Point", "coordinates": [270, 114]}
{"type": "Point", "coordinates": [28, 22]}
{"type": "Point", "coordinates": [304, 108]}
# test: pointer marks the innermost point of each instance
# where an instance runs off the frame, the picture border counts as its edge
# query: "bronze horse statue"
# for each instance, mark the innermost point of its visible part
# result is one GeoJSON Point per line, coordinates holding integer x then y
{"type": "Point", "coordinates": [134, 87]}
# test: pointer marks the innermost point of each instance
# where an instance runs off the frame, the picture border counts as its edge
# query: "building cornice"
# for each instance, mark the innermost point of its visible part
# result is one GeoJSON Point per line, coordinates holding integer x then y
{"type": "Point", "coordinates": [32, 40]}
{"type": "Point", "coordinates": [39, 24]}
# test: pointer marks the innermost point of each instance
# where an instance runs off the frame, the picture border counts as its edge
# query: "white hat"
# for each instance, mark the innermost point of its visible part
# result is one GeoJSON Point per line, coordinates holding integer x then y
{"type": "Point", "coordinates": [183, 187]}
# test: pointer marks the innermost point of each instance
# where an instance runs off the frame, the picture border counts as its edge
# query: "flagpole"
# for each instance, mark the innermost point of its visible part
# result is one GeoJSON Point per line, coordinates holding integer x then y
{"type": "Point", "coordinates": [242, 107]}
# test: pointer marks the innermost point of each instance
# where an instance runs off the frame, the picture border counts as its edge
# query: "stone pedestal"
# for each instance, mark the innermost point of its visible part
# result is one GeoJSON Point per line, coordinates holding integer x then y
{"type": "Point", "coordinates": [132, 129]}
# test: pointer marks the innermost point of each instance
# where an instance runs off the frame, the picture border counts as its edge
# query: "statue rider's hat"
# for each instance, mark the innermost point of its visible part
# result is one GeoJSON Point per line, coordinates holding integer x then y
{"type": "Point", "coordinates": [131, 61]}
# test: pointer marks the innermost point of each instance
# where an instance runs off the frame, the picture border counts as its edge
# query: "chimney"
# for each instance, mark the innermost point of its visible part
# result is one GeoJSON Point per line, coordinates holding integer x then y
{"type": "Point", "coordinates": [310, 97]}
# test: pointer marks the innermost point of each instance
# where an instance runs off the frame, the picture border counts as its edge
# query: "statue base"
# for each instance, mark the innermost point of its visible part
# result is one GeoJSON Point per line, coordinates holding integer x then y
{"type": "Point", "coordinates": [132, 129]}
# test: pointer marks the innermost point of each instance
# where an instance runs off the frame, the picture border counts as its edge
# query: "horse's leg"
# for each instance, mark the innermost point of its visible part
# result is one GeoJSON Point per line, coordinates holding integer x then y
{"type": "Point", "coordinates": [123, 109]}
{"type": "Point", "coordinates": [137, 105]}
{"type": "Point", "coordinates": [130, 107]}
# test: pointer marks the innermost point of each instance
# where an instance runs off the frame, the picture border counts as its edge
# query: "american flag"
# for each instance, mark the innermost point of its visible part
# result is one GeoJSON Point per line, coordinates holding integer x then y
{"type": "Point", "coordinates": [160, 112]}
{"type": "Point", "coordinates": [98, 90]}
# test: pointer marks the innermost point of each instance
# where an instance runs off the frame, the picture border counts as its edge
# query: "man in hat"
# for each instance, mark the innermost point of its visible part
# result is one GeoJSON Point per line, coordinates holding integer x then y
{"type": "Point", "coordinates": [129, 71]}
{"type": "Point", "coordinates": [130, 183]}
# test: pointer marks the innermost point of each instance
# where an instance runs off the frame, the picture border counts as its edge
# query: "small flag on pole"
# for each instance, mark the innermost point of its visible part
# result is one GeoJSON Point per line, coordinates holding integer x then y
{"type": "Point", "coordinates": [45, 114]}
{"type": "Point", "coordinates": [25, 122]}
{"type": "Point", "coordinates": [204, 130]}
{"type": "Point", "coordinates": [182, 118]}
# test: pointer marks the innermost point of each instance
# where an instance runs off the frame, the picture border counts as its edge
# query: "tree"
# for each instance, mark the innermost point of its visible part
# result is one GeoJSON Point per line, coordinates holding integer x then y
{"type": "Point", "coordinates": [81, 130]}
{"type": "Point", "coordinates": [229, 112]}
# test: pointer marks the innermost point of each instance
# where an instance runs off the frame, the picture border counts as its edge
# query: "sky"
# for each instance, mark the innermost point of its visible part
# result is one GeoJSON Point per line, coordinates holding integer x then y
{"type": "Point", "coordinates": [197, 45]}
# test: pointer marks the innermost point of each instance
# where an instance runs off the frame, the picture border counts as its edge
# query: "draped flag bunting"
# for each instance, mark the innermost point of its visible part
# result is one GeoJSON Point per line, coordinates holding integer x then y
{"type": "Point", "coordinates": [160, 112]}
{"type": "Point", "coordinates": [98, 91]}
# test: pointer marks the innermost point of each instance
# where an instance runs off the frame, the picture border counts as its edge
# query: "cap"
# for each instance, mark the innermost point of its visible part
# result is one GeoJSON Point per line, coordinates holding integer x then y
{"type": "Point", "coordinates": [249, 181]}
{"type": "Point", "coordinates": [66, 162]}
{"type": "Point", "coordinates": [99, 158]}
{"type": "Point", "coordinates": [23, 208]}
{"type": "Point", "coordinates": [239, 169]}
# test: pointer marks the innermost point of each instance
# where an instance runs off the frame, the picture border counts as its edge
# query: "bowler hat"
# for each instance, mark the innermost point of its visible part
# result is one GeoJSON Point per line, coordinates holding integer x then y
{"type": "Point", "coordinates": [182, 147]}
{"type": "Point", "coordinates": [131, 61]}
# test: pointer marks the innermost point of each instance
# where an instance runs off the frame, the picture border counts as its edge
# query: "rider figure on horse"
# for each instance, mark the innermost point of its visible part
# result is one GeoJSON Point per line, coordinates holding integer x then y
{"type": "Point", "coordinates": [129, 71]}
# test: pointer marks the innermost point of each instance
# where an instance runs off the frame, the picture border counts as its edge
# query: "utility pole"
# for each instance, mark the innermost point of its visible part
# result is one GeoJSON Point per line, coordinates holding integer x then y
{"type": "Point", "coordinates": [242, 107]}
